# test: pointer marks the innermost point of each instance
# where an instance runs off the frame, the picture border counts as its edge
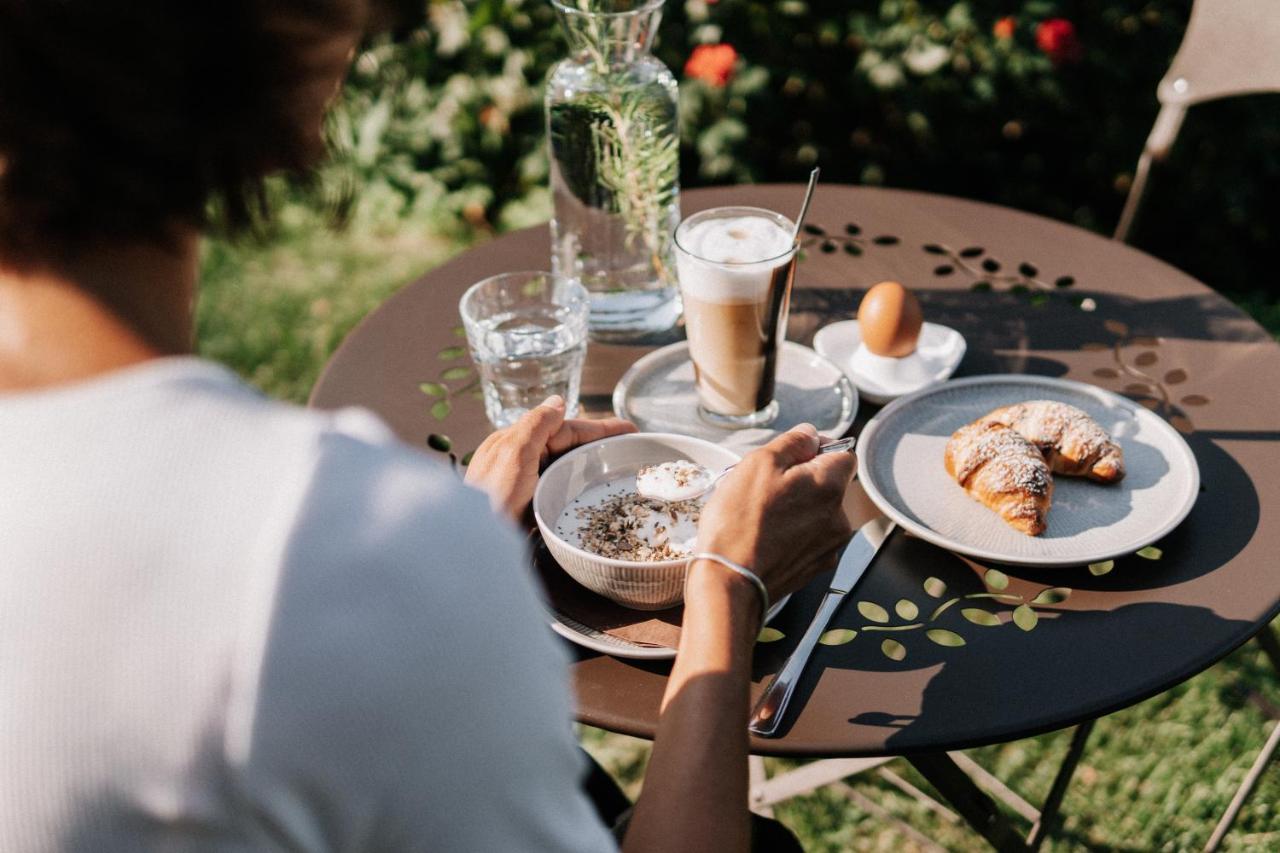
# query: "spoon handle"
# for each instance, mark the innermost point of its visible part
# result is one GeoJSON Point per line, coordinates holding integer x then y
{"type": "Point", "coordinates": [843, 444]}
{"type": "Point", "coordinates": [837, 446]}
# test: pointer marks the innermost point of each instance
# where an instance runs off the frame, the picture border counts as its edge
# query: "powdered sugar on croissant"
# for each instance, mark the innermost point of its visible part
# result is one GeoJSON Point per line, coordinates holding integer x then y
{"type": "Point", "coordinates": [1002, 470]}
{"type": "Point", "coordinates": [1071, 441]}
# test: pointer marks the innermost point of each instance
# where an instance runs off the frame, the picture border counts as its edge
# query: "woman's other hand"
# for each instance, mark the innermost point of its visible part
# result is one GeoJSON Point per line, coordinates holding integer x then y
{"type": "Point", "coordinates": [506, 464]}
{"type": "Point", "coordinates": [779, 512]}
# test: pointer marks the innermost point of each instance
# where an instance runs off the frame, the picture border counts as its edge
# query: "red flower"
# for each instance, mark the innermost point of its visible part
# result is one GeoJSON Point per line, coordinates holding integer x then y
{"type": "Point", "coordinates": [711, 63]}
{"type": "Point", "coordinates": [1056, 37]}
{"type": "Point", "coordinates": [1004, 28]}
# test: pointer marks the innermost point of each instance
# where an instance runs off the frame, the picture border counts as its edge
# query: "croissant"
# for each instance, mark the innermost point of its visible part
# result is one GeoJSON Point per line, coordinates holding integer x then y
{"type": "Point", "coordinates": [1004, 471]}
{"type": "Point", "coordinates": [1071, 441]}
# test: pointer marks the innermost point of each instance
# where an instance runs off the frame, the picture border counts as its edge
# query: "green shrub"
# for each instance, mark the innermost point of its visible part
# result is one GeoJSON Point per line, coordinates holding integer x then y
{"type": "Point", "coordinates": [973, 99]}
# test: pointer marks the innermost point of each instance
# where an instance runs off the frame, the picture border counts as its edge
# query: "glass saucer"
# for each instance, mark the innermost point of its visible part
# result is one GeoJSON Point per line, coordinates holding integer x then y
{"type": "Point", "coordinates": [657, 394]}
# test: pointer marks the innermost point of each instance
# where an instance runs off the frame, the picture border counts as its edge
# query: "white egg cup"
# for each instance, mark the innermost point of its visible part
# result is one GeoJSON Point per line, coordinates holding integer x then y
{"type": "Point", "coordinates": [881, 379]}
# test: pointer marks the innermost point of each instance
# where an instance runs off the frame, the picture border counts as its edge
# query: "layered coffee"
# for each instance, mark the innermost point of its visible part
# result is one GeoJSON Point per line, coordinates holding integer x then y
{"type": "Point", "coordinates": [736, 267]}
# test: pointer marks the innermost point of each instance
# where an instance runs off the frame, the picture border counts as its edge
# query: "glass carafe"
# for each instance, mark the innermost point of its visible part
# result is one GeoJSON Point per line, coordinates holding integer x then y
{"type": "Point", "coordinates": [615, 159]}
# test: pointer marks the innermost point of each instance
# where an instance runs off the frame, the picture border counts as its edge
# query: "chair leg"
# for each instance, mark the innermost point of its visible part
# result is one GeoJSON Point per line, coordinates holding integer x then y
{"type": "Point", "coordinates": [1134, 200]}
{"type": "Point", "coordinates": [1271, 645]}
{"type": "Point", "coordinates": [1246, 788]}
{"type": "Point", "coordinates": [995, 788]}
{"type": "Point", "coordinates": [1159, 142]}
{"type": "Point", "coordinates": [756, 777]}
{"type": "Point", "coordinates": [919, 796]}
{"type": "Point", "coordinates": [1058, 790]}
{"type": "Point", "coordinates": [876, 810]}
{"type": "Point", "coordinates": [810, 777]}
{"type": "Point", "coordinates": [978, 810]}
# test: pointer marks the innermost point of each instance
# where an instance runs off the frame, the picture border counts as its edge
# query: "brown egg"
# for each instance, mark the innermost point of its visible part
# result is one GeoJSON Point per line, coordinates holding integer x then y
{"type": "Point", "coordinates": [890, 319]}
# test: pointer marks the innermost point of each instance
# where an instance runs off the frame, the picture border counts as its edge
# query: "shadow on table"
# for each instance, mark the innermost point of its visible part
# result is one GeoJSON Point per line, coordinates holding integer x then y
{"type": "Point", "coordinates": [1219, 527]}
{"type": "Point", "coordinates": [998, 680]}
{"type": "Point", "coordinates": [1150, 654]}
{"type": "Point", "coordinates": [1005, 321]}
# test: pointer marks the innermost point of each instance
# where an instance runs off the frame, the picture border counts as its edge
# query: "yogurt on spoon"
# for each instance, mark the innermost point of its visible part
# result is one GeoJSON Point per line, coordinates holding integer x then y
{"type": "Point", "coordinates": [671, 482]}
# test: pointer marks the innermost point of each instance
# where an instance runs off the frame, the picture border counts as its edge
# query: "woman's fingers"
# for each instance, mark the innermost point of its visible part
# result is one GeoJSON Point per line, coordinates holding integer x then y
{"type": "Point", "coordinates": [576, 431]}
{"type": "Point", "coordinates": [833, 471]}
{"type": "Point", "coordinates": [536, 426]}
{"type": "Point", "coordinates": [796, 445]}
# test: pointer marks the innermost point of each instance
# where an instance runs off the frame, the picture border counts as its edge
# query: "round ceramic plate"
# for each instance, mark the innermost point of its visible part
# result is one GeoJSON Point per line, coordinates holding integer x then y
{"type": "Point", "coordinates": [598, 641]}
{"type": "Point", "coordinates": [658, 395]}
{"type": "Point", "coordinates": [900, 465]}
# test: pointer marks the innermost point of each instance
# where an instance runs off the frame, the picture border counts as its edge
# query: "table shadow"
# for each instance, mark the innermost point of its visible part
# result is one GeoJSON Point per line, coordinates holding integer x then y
{"type": "Point", "coordinates": [999, 320]}
{"type": "Point", "coordinates": [952, 710]}
{"type": "Point", "coordinates": [1221, 524]}
{"type": "Point", "coordinates": [1147, 637]}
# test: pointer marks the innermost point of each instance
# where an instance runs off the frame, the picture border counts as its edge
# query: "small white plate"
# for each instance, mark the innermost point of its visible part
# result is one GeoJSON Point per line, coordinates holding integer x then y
{"type": "Point", "coordinates": [658, 395]}
{"type": "Point", "coordinates": [940, 347]}
{"type": "Point", "coordinates": [900, 464]}
{"type": "Point", "coordinates": [598, 641]}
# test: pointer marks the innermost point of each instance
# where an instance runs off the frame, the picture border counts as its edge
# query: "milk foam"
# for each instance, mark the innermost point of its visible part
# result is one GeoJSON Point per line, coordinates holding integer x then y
{"type": "Point", "coordinates": [724, 260]}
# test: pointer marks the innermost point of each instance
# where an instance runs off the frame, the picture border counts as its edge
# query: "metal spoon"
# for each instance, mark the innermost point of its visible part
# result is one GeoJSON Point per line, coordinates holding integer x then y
{"type": "Point", "coordinates": [843, 444]}
{"type": "Point", "coordinates": [804, 207]}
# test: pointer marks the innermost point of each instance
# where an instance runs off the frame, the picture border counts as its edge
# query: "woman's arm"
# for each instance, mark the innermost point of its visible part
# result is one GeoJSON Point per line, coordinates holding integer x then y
{"type": "Point", "coordinates": [695, 790]}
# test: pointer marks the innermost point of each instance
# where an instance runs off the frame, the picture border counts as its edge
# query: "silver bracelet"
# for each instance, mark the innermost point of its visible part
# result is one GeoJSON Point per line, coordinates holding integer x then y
{"type": "Point", "coordinates": [742, 570]}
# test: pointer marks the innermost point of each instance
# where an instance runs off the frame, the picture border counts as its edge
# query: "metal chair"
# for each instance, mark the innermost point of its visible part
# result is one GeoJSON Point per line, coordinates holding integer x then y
{"type": "Point", "coordinates": [1229, 49]}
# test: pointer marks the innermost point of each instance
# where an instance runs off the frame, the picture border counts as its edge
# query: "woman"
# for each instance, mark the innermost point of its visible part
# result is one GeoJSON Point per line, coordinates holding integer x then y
{"type": "Point", "coordinates": [229, 624]}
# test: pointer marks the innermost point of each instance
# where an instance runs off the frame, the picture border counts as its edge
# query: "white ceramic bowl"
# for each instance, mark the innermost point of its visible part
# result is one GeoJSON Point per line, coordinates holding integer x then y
{"type": "Point", "coordinates": [643, 586]}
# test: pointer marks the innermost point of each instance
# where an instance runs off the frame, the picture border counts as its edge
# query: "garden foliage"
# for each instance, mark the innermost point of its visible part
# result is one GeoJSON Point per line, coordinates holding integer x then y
{"type": "Point", "coordinates": [1036, 104]}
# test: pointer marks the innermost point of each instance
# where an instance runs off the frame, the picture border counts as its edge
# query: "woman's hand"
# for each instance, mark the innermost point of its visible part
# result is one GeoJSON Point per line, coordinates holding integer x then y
{"type": "Point", "coordinates": [506, 463]}
{"type": "Point", "coordinates": [779, 512]}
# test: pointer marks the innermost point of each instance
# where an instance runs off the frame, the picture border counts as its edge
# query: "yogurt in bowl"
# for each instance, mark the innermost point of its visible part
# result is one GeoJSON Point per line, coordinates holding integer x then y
{"type": "Point", "coordinates": [627, 548]}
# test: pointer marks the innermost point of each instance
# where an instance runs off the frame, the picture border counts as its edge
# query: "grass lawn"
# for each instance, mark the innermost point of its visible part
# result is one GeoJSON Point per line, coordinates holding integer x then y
{"type": "Point", "coordinates": [1155, 776]}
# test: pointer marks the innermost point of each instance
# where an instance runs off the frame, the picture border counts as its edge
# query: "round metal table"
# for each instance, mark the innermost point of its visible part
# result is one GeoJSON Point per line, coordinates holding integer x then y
{"type": "Point", "coordinates": [1031, 296]}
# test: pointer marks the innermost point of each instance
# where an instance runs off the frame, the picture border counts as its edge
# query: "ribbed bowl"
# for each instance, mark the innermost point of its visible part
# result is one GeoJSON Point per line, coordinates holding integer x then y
{"type": "Point", "coordinates": [643, 586]}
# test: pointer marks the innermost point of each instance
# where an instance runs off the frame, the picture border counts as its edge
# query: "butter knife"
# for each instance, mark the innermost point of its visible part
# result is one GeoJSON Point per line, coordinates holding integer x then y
{"type": "Point", "coordinates": [858, 554]}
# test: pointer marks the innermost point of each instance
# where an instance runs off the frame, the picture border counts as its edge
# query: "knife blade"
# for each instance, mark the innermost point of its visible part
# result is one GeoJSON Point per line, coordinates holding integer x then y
{"type": "Point", "coordinates": [766, 718]}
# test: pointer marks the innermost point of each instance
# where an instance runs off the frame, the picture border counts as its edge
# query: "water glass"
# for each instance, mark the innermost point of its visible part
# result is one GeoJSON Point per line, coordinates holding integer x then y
{"type": "Point", "coordinates": [528, 337]}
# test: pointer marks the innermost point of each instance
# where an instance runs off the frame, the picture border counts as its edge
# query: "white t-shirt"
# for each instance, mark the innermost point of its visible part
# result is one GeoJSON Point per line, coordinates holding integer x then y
{"type": "Point", "coordinates": [230, 624]}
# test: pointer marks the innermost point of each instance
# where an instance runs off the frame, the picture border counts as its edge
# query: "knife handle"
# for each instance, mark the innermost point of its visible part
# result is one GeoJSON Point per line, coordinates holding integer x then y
{"type": "Point", "coordinates": [767, 716]}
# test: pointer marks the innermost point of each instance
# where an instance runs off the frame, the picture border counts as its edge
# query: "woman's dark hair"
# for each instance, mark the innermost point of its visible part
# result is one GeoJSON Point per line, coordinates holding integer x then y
{"type": "Point", "coordinates": [120, 118]}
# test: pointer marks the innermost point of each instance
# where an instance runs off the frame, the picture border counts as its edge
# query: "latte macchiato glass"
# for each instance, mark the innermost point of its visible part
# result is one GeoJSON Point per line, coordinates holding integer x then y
{"type": "Point", "coordinates": [735, 266]}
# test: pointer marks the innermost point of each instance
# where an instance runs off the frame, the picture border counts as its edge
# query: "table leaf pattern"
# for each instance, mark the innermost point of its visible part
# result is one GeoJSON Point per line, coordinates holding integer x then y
{"type": "Point", "coordinates": [893, 650]}
{"type": "Point", "coordinates": [1152, 387]}
{"type": "Point", "coordinates": [943, 637]}
{"type": "Point", "coordinates": [1100, 569]}
{"type": "Point", "coordinates": [978, 616]}
{"type": "Point", "coordinates": [996, 579]}
{"type": "Point", "coordinates": [454, 384]}
{"type": "Point", "coordinates": [851, 241]}
{"type": "Point", "coordinates": [874, 612]}
{"type": "Point", "coordinates": [837, 637]}
{"type": "Point", "coordinates": [1024, 617]}
{"type": "Point", "coordinates": [1024, 613]}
